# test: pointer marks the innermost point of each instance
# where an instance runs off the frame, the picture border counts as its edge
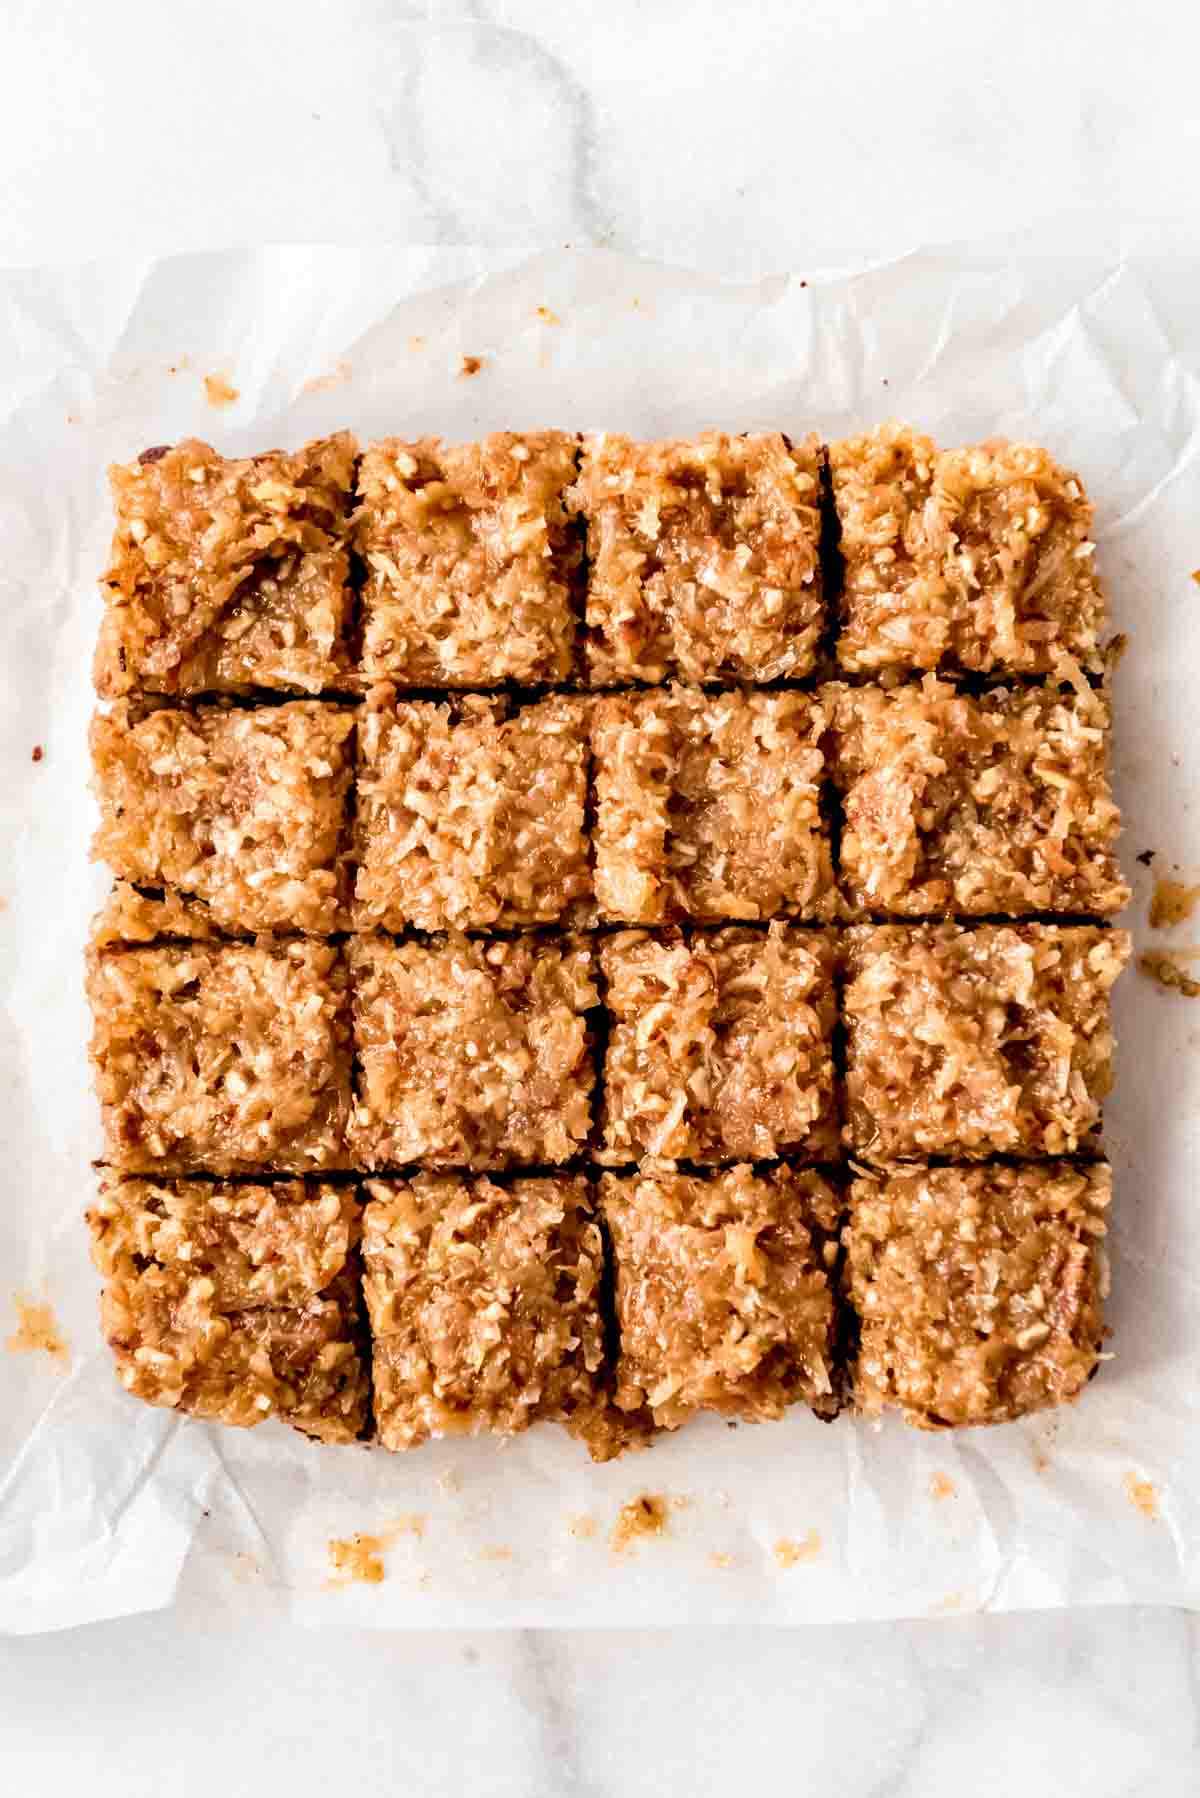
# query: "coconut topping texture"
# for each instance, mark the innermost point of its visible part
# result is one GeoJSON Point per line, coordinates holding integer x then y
{"type": "Point", "coordinates": [602, 931]}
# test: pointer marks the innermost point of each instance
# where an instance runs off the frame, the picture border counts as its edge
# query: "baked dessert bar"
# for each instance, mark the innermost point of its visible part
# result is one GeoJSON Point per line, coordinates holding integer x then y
{"type": "Point", "coordinates": [471, 818]}
{"type": "Point", "coordinates": [130, 917]}
{"type": "Point", "coordinates": [484, 1303]}
{"type": "Point", "coordinates": [227, 575]}
{"type": "Point", "coordinates": [724, 1291]}
{"type": "Point", "coordinates": [978, 559]}
{"type": "Point", "coordinates": [720, 1046]}
{"type": "Point", "coordinates": [236, 1301]}
{"type": "Point", "coordinates": [996, 803]}
{"type": "Point", "coordinates": [472, 562]}
{"type": "Point", "coordinates": [708, 806]}
{"type": "Point", "coordinates": [246, 810]}
{"type": "Point", "coordinates": [704, 557]}
{"type": "Point", "coordinates": [970, 1042]}
{"type": "Point", "coordinates": [222, 1058]}
{"type": "Point", "coordinates": [979, 1291]}
{"type": "Point", "coordinates": [472, 1054]}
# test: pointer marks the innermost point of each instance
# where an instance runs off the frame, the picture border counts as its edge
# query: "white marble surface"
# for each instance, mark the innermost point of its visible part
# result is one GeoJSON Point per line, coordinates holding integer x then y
{"type": "Point", "coordinates": [733, 138]}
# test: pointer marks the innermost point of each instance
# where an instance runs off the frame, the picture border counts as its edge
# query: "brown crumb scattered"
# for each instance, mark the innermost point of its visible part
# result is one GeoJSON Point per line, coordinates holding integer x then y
{"type": "Point", "coordinates": [360, 1557]}
{"type": "Point", "coordinates": [1142, 1495]}
{"type": "Point", "coordinates": [416, 343]}
{"type": "Point", "coordinates": [357, 1558]}
{"type": "Point", "coordinates": [941, 1486]}
{"type": "Point", "coordinates": [1173, 903]}
{"type": "Point", "coordinates": [1147, 856]}
{"type": "Point", "coordinates": [1196, 576]}
{"type": "Point", "coordinates": [789, 1553]}
{"type": "Point", "coordinates": [72, 418]}
{"type": "Point", "coordinates": [471, 365]}
{"type": "Point", "coordinates": [218, 392]}
{"type": "Point", "coordinates": [451, 1480]}
{"type": "Point", "coordinates": [1156, 964]}
{"type": "Point", "coordinates": [645, 1515]}
{"type": "Point", "coordinates": [37, 1329]}
{"type": "Point", "coordinates": [37, 753]}
{"type": "Point", "coordinates": [581, 1526]}
{"type": "Point", "coordinates": [953, 1601]}
{"type": "Point", "coordinates": [322, 383]}
{"type": "Point", "coordinates": [547, 316]}
{"type": "Point", "coordinates": [720, 1560]}
{"type": "Point", "coordinates": [496, 1553]}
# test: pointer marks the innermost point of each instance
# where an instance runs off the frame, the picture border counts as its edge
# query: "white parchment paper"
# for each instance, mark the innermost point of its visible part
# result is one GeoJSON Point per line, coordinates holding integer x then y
{"type": "Point", "coordinates": [108, 1507]}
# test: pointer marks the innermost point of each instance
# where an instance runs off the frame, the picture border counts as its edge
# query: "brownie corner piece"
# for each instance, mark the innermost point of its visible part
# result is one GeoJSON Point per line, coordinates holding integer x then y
{"type": "Point", "coordinates": [979, 1291]}
{"type": "Point", "coordinates": [228, 574]}
{"type": "Point", "coordinates": [704, 557]}
{"type": "Point", "coordinates": [235, 1300]}
{"type": "Point", "coordinates": [472, 561]}
{"type": "Point", "coordinates": [724, 1291]}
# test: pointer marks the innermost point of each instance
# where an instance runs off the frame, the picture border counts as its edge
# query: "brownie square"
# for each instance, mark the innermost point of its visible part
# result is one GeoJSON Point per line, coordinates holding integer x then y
{"type": "Point", "coordinates": [469, 818]}
{"type": "Point", "coordinates": [979, 559]}
{"type": "Point", "coordinates": [235, 1301]}
{"type": "Point", "coordinates": [708, 806]}
{"type": "Point", "coordinates": [704, 557]}
{"type": "Point", "coordinates": [472, 1054]}
{"type": "Point", "coordinates": [484, 1302]}
{"type": "Point", "coordinates": [724, 1293]}
{"type": "Point", "coordinates": [229, 574]}
{"type": "Point", "coordinates": [471, 560]}
{"type": "Point", "coordinates": [244, 810]}
{"type": "Point", "coordinates": [997, 803]}
{"type": "Point", "coordinates": [979, 1291]}
{"type": "Point", "coordinates": [221, 1058]}
{"type": "Point", "coordinates": [720, 1046]}
{"type": "Point", "coordinates": [969, 1042]}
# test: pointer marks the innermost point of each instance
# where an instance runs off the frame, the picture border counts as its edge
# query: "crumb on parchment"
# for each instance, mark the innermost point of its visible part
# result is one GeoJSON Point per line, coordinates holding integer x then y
{"type": "Point", "coordinates": [1157, 965]}
{"type": "Point", "coordinates": [1173, 902]}
{"type": "Point", "coordinates": [790, 1553]}
{"type": "Point", "coordinates": [941, 1486]}
{"type": "Point", "coordinates": [645, 1515]}
{"type": "Point", "coordinates": [469, 366]}
{"type": "Point", "coordinates": [218, 392]}
{"type": "Point", "coordinates": [1142, 1495]}
{"type": "Point", "coordinates": [37, 1330]}
{"type": "Point", "coordinates": [358, 1559]}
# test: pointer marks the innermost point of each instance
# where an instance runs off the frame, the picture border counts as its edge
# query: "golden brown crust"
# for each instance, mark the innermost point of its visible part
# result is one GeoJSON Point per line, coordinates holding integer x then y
{"type": "Point", "coordinates": [468, 819]}
{"type": "Point", "coordinates": [472, 1054]}
{"type": "Point", "coordinates": [704, 557]}
{"type": "Point", "coordinates": [227, 575]}
{"type": "Point", "coordinates": [224, 1059]}
{"type": "Point", "coordinates": [235, 1301]}
{"type": "Point", "coordinates": [998, 803]}
{"type": "Point", "coordinates": [129, 918]}
{"type": "Point", "coordinates": [723, 1292]}
{"type": "Point", "coordinates": [708, 806]}
{"type": "Point", "coordinates": [471, 560]}
{"type": "Point", "coordinates": [484, 1303]}
{"type": "Point", "coordinates": [246, 810]}
{"type": "Point", "coordinates": [978, 559]}
{"type": "Point", "coordinates": [989, 1040]}
{"type": "Point", "coordinates": [720, 1047]}
{"type": "Point", "coordinates": [979, 1290]}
